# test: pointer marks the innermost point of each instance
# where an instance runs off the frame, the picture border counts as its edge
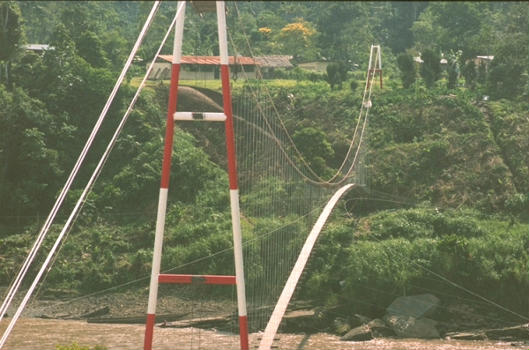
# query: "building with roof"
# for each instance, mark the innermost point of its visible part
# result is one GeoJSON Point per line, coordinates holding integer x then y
{"type": "Point", "coordinates": [38, 48]}
{"type": "Point", "coordinates": [268, 64]}
{"type": "Point", "coordinates": [204, 68]}
{"type": "Point", "coordinates": [485, 60]}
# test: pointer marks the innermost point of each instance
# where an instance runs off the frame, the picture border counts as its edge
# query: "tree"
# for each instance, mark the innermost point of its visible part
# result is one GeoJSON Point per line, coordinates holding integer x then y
{"type": "Point", "coordinates": [297, 39]}
{"type": "Point", "coordinates": [505, 78]}
{"type": "Point", "coordinates": [506, 70]}
{"type": "Point", "coordinates": [483, 73]}
{"type": "Point", "coordinates": [30, 138]}
{"type": "Point", "coordinates": [470, 74]}
{"type": "Point", "coordinates": [408, 72]}
{"type": "Point", "coordinates": [346, 29]}
{"type": "Point", "coordinates": [453, 68]}
{"type": "Point", "coordinates": [90, 48]}
{"type": "Point", "coordinates": [336, 74]}
{"type": "Point", "coordinates": [11, 33]}
{"type": "Point", "coordinates": [399, 22]}
{"type": "Point", "coordinates": [426, 31]}
{"type": "Point", "coordinates": [431, 67]}
{"type": "Point", "coordinates": [454, 26]}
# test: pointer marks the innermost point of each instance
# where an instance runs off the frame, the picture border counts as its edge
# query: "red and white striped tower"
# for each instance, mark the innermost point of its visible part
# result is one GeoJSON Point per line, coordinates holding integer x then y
{"type": "Point", "coordinates": [166, 171]}
{"type": "Point", "coordinates": [226, 117]}
{"type": "Point", "coordinates": [232, 172]}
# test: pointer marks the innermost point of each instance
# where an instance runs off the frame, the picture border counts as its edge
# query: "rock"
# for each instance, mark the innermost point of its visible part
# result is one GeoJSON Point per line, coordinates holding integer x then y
{"type": "Point", "coordinates": [299, 314]}
{"type": "Point", "coordinates": [300, 320]}
{"type": "Point", "coordinates": [202, 322]}
{"type": "Point", "coordinates": [509, 333]}
{"type": "Point", "coordinates": [520, 332]}
{"type": "Point", "coordinates": [341, 326]}
{"type": "Point", "coordinates": [361, 333]}
{"type": "Point", "coordinates": [411, 327]}
{"type": "Point", "coordinates": [474, 335]}
{"type": "Point", "coordinates": [361, 319]}
{"type": "Point", "coordinates": [416, 306]}
{"type": "Point", "coordinates": [373, 329]}
{"type": "Point", "coordinates": [379, 329]}
{"type": "Point", "coordinates": [96, 313]}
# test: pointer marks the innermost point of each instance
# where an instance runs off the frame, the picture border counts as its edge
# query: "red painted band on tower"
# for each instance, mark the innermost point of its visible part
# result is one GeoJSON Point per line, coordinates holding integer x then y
{"type": "Point", "coordinates": [169, 130]}
{"type": "Point", "coordinates": [243, 329]}
{"type": "Point", "coordinates": [149, 329]}
{"type": "Point", "coordinates": [230, 138]}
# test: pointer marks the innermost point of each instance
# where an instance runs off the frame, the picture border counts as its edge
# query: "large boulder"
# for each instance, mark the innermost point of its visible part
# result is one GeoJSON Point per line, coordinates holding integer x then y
{"type": "Point", "coordinates": [416, 306]}
{"type": "Point", "coordinates": [411, 327]}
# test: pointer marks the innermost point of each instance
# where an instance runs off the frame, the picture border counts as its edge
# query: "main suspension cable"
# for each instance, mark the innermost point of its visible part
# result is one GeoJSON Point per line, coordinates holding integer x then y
{"type": "Point", "coordinates": [57, 205]}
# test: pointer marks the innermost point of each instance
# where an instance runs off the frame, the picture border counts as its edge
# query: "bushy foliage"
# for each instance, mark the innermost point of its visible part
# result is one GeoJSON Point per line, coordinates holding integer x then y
{"type": "Point", "coordinates": [365, 267]}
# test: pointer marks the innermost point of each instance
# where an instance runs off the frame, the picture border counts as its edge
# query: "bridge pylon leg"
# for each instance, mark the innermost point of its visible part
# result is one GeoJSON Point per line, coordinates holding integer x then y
{"type": "Point", "coordinates": [227, 118]}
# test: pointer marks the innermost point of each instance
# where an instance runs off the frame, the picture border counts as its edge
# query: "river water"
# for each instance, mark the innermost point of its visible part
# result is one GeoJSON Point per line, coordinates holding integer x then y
{"type": "Point", "coordinates": [43, 334]}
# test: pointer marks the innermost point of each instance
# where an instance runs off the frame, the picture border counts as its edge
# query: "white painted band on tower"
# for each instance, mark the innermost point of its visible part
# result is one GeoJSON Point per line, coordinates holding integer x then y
{"type": "Point", "coordinates": [223, 36]}
{"type": "Point", "coordinates": [237, 249]}
{"type": "Point", "coordinates": [157, 257]}
{"type": "Point", "coordinates": [178, 34]}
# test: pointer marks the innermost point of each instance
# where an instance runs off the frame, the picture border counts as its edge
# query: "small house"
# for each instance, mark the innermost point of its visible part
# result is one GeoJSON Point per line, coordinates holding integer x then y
{"type": "Point", "coordinates": [483, 60]}
{"type": "Point", "coordinates": [38, 48]}
{"type": "Point", "coordinates": [268, 64]}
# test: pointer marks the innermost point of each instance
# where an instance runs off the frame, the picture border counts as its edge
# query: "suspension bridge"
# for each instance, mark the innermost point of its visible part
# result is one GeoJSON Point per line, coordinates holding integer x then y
{"type": "Point", "coordinates": [274, 194]}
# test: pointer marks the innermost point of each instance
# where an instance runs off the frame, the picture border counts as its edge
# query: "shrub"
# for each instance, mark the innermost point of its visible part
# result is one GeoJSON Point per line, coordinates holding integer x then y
{"type": "Point", "coordinates": [430, 68]}
{"type": "Point", "coordinates": [353, 85]}
{"type": "Point", "coordinates": [336, 74]}
{"type": "Point", "coordinates": [408, 72]}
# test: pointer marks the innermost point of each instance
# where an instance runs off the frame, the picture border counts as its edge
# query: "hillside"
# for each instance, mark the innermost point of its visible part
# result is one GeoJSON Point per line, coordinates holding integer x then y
{"type": "Point", "coordinates": [445, 208]}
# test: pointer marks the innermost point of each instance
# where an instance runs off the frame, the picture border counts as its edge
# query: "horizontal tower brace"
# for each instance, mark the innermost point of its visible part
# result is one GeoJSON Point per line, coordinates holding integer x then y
{"type": "Point", "coordinates": [200, 116]}
{"type": "Point", "coordinates": [199, 279]}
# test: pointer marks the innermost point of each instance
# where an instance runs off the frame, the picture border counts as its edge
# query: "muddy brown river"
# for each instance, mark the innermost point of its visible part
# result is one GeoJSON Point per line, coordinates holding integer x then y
{"type": "Point", "coordinates": [43, 334]}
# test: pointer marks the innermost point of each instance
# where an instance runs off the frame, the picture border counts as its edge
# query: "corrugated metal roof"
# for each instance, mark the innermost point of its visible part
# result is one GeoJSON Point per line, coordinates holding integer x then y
{"type": "Point", "coordinates": [274, 61]}
{"type": "Point", "coordinates": [210, 60]}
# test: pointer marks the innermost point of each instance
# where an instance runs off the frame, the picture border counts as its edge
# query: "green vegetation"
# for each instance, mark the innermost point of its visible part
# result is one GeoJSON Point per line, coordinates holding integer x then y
{"type": "Point", "coordinates": [406, 250]}
{"type": "Point", "coordinates": [460, 164]}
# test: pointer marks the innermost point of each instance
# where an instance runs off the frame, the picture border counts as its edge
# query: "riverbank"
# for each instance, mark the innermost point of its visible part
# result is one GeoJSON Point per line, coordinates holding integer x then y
{"type": "Point", "coordinates": [124, 313]}
{"type": "Point", "coordinates": [42, 334]}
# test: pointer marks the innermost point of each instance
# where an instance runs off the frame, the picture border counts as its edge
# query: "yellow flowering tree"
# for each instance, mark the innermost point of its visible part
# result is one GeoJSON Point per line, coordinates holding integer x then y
{"type": "Point", "coordinates": [297, 39]}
